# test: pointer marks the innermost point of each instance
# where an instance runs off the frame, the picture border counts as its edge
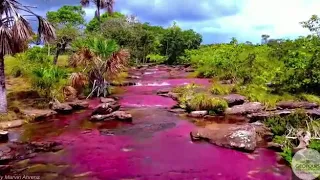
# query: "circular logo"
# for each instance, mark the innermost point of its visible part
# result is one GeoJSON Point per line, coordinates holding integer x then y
{"type": "Point", "coordinates": [306, 164]}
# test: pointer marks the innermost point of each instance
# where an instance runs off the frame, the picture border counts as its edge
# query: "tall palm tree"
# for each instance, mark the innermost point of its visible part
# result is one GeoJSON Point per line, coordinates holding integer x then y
{"type": "Point", "coordinates": [15, 32]}
{"type": "Point", "coordinates": [100, 4]}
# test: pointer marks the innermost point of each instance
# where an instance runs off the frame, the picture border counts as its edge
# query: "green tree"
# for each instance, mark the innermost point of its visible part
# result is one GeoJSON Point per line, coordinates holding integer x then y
{"type": "Point", "coordinates": [264, 38]}
{"type": "Point", "coordinates": [68, 21]}
{"type": "Point", "coordinates": [94, 24]}
{"type": "Point", "coordinates": [15, 32]}
{"type": "Point", "coordinates": [175, 41]}
{"type": "Point", "coordinates": [313, 24]}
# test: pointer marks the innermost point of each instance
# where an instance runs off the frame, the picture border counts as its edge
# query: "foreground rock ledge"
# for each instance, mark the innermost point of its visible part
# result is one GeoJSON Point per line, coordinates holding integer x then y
{"type": "Point", "coordinates": [38, 114]}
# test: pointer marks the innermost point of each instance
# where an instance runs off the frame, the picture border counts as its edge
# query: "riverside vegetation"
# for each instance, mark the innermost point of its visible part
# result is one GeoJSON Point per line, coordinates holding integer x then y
{"type": "Point", "coordinates": [94, 54]}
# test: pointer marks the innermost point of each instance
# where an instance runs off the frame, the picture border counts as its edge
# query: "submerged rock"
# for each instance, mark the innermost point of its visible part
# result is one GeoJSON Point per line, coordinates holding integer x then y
{"type": "Point", "coordinates": [234, 99]}
{"type": "Point", "coordinates": [125, 83]}
{"type": "Point", "coordinates": [11, 124]}
{"type": "Point", "coordinates": [122, 116]}
{"type": "Point", "coordinates": [164, 91]}
{"type": "Point", "coordinates": [198, 114]}
{"type": "Point", "coordinates": [107, 100]}
{"type": "Point", "coordinates": [38, 114]}
{"type": "Point", "coordinates": [295, 105]}
{"type": "Point", "coordinates": [117, 115]}
{"type": "Point", "coordinates": [63, 108]}
{"type": "Point", "coordinates": [247, 108]}
{"type": "Point", "coordinates": [241, 137]}
{"type": "Point", "coordinates": [106, 108]}
{"type": "Point", "coordinates": [4, 136]}
{"type": "Point", "coordinates": [79, 104]}
{"type": "Point", "coordinates": [177, 110]}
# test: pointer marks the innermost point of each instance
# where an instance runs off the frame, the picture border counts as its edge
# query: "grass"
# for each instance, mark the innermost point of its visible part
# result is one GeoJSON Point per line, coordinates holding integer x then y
{"type": "Point", "coordinates": [222, 89]}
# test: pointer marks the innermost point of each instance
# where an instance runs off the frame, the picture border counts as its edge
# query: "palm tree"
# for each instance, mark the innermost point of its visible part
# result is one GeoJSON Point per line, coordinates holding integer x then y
{"type": "Point", "coordinates": [100, 4]}
{"type": "Point", "coordinates": [15, 32]}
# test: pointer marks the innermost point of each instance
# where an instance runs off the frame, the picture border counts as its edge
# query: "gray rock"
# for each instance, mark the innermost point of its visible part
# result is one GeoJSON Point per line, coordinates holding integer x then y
{"type": "Point", "coordinates": [241, 137]}
{"type": "Point", "coordinates": [38, 114]}
{"type": "Point", "coordinates": [274, 146]}
{"type": "Point", "coordinates": [79, 104]}
{"type": "Point", "coordinates": [117, 115]}
{"type": "Point", "coordinates": [106, 108]}
{"type": "Point", "coordinates": [177, 110]}
{"type": "Point", "coordinates": [234, 99]}
{"type": "Point", "coordinates": [267, 114]}
{"type": "Point", "coordinates": [246, 108]}
{"type": "Point", "coordinates": [198, 114]}
{"type": "Point", "coordinates": [107, 100]}
{"type": "Point", "coordinates": [296, 104]}
{"type": "Point", "coordinates": [62, 108]}
{"type": "Point", "coordinates": [164, 91]}
{"type": "Point", "coordinates": [122, 116]}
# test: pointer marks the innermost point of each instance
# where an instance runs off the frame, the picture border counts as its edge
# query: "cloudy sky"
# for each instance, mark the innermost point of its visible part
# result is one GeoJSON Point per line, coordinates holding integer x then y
{"type": "Point", "coordinates": [216, 20]}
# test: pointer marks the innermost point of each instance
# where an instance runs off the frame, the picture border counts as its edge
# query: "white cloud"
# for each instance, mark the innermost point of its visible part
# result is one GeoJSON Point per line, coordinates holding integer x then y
{"type": "Point", "coordinates": [277, 18]}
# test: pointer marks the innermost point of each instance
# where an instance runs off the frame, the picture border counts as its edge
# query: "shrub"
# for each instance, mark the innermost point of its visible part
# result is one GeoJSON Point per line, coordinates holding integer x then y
{"type": "Point", "coordinates": [222, 89]}
{"type": "Point", "coordinates": [157, 58]}
{"type": "Point", "coordinates": [203, 101]}
{"type": "Point", "coordinates": [48, 80]}
{"type": "Point", "coordinates": [279, 125]}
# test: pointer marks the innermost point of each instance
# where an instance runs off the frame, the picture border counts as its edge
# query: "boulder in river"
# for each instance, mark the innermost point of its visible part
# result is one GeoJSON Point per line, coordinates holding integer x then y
{"type": "Point", "coordinates": [79, 104]}
{"type": "Point", "coordinates": [63, 108]}
{"type": "Point", "coordinates": [117, 115]}
{"type": "Point", "coordinates": [296, 104]}
{"type": "Point", "coordinates": [177, 110]}
{"type": "Point", "coordinates": [106, 108]}
{"type": "Point", "coordinates": [241, 137]}
{"type": "Point", "coordinates": [198, 114]}
{"type": "Point", "coordinates": [107, 100]}
{"type": "Point", "coordinates": [38, 114]}
{"type": "Point", "coordinates": [125, 83]}
{"type": "Point", "coordinates": [246, 108]}
{"type": "Point", "coordinates": [234, 99]}
{"type": "Point", "coordinates": [164, 91]}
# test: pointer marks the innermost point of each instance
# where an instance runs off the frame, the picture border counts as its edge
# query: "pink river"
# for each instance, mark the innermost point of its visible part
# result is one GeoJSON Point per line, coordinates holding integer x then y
{"type": "Point", "coordinates": [155, 146]}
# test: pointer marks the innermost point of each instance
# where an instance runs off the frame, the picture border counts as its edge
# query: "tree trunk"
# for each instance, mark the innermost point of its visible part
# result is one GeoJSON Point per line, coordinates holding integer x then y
{"type": "Point", "coordinates": [55, 59]}
{"type": "Point", "coordinates": [3, 95]}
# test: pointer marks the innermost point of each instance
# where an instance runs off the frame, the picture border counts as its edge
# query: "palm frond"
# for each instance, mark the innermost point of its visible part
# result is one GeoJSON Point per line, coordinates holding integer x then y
{"type": "Point", "coordinates": [5, 38]}
{"type": "Point", "coordinates": [85, 3]}
{"type": "Point", "coordinates": [46, 30]}
{"type": "Point", "coordinates": [117, 62]}
{"type": "Point", "coordinates": [110, 6]}
{"type": "Point", "coordinates": [15, 31]}
{"type": "Point", "coordinates": [78, 80]}
{"type": "Point", "coordinates": [82, 57]}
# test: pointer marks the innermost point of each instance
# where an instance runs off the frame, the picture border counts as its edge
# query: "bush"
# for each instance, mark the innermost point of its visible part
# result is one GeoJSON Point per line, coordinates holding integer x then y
{"type": "Point", "coordinates": [48, 80]}
{"type": "Point", "coordinates": [279, 125]}
{"type": "Point", "coordinates": [157, 58]}
{"type": "Point", "coordinates": [222, 89]}
{"type": "Point", "coordinates": [203, 101]}
{"type": "Point", "coordinates": [315, 144]}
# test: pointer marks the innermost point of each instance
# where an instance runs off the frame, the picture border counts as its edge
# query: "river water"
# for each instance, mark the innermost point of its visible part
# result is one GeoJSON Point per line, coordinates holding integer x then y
{"type": "Point", "coordinates": [156, 145]}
